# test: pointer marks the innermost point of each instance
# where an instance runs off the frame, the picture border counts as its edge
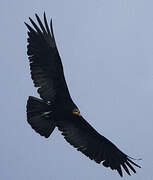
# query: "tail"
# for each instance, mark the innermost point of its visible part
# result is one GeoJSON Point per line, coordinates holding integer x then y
{"type": "Point", "coordinates": [39, 116]}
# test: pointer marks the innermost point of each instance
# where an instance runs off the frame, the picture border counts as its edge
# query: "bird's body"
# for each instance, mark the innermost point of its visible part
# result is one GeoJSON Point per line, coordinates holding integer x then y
{"type": "Point", "coordinates": [56, 108]}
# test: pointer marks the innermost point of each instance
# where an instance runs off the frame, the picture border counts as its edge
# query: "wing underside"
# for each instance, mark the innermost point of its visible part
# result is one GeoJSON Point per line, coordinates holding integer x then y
{"type": "Point", "coordinates": [45, 63]}
{"type": "Point", "coordinates": [82, 136]}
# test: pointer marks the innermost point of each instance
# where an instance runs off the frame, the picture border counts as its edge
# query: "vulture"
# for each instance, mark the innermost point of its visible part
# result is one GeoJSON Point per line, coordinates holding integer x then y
{"type": "Point", "coordinates": [55, 108]}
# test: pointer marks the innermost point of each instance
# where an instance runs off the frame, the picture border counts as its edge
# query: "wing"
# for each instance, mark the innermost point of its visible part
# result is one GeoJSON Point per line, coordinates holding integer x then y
{"type": "Point", "coordinates": [45, 63]}
{"type": "Point", "coordinates": [86, 139]}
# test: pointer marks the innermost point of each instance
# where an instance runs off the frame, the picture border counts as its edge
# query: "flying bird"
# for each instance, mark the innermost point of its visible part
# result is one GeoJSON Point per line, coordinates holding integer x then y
{"type": "Point", "coordinates": [56, 107]}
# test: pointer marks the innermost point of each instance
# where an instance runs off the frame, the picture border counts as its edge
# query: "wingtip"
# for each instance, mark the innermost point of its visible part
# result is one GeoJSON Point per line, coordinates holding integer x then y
{"type": "Point", "coordinates": [119, 170]}
{"type": "Point", "coordinates": [29, 27]}
{"type": "Point", "coordinates": [36, 15]}
{"type": "Point", "coordinates": [126, 169]}
{"type": "Point", "coordinates": [51, 23]}
{"type": "Point", "coordinates": [51, 28]}
{"type": "Point", "coordinates": [44, 15]}
{"type": "Point", "coordinates": [30, 19]}
{"type": "Point", "coordinates": [26, 25]}
{"type": "Point", "coordinates": [134, 162]}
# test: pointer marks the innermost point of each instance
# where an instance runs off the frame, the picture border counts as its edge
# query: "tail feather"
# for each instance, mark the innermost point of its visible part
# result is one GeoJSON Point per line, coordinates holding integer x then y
{"type": "Point", "coordinates": [39, 116]}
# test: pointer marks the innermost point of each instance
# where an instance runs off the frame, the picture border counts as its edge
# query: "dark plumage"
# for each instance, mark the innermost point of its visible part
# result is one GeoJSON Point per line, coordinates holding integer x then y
{"type": "Point", "coordinates": [56, 108]}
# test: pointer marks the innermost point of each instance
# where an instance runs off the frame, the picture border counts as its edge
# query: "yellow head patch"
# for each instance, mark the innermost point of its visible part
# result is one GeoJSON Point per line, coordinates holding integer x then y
{"type": "Point", "coordinates": [76, 112]}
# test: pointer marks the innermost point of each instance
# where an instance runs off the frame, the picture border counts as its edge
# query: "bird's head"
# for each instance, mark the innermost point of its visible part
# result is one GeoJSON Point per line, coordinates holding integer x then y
{"type": "Point", "coordinates": [76, 112]}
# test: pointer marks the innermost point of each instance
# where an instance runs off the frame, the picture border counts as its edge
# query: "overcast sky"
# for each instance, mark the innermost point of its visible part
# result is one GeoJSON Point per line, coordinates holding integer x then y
{"type": "Point", "coordinates": [106, 48]}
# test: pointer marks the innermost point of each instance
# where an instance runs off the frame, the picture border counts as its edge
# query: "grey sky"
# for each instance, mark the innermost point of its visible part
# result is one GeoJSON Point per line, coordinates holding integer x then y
{"type": "Point", "coordinates": [106, 48]}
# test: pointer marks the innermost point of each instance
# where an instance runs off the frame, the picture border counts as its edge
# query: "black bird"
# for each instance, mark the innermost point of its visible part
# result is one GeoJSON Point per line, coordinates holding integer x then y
{"type": "Point", "coordinates": [56, 108]}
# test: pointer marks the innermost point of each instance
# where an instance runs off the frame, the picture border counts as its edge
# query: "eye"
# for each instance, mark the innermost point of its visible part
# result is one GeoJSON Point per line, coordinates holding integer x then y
{"type": "Point", "coordinates": [76, 112]}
